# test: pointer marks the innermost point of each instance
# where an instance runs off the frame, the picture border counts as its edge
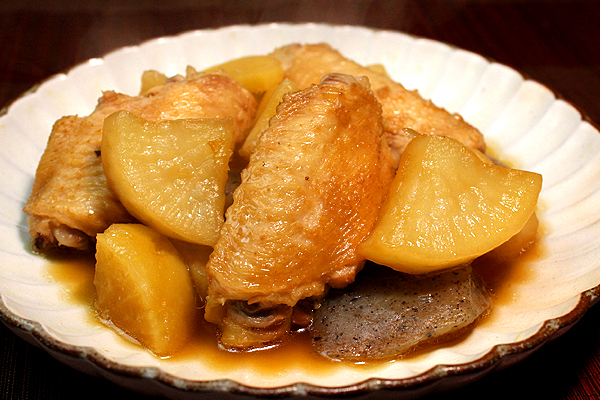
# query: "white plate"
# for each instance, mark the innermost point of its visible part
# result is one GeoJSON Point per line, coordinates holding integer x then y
{"type": "Point", "coordinates": [522, 120]}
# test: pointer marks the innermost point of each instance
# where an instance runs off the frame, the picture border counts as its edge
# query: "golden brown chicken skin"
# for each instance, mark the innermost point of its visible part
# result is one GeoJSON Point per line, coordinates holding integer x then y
{"type": "Point", "coordinates": [309, 195]}
{"type": "Point", "coordinates": [402, 108]}
{"type": "Point", "coordinates": [71, 201]}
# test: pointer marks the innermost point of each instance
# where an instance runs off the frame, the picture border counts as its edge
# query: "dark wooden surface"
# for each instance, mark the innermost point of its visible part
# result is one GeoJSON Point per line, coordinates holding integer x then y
{"type": "Point", "coordinates": [554, 42]}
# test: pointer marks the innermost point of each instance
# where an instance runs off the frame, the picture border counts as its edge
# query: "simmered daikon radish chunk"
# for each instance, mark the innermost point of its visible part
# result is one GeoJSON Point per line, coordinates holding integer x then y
{"type": "Point", "coordinates": [256, 74]}
{"type": "Point", "coordinates": [265, 111]}
{"type": "Point", "coordinates": [170, 175]}
{"type": "Point", "coordinates": [143, 288]}
{"type": "Point", "coordinates": [151, 79]}
{"type": "Point", "coordinates": [447, 206]}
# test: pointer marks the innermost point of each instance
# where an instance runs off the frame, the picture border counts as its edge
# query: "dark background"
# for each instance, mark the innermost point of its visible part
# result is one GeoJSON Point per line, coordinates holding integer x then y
{"type": "Point", "coordinates": [554, 42]}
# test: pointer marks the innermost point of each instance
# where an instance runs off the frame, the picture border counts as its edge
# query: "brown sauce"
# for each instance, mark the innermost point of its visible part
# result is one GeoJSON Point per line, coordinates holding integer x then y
{"type": "Point", "coordinates": [76, 275]}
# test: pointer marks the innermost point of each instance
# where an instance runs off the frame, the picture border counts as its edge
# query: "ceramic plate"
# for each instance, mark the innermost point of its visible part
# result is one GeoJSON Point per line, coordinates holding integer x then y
{"type": "Point", "coordinates": [523, 122]}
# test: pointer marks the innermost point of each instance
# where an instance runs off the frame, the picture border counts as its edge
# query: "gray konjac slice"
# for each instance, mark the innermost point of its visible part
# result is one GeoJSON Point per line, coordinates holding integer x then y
{"type": "Point", "coordinates": [385, 313]}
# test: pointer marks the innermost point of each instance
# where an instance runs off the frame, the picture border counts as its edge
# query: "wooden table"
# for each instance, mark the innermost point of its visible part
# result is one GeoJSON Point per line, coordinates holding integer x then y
{"type": "Point", "coordinates": [555, 42]}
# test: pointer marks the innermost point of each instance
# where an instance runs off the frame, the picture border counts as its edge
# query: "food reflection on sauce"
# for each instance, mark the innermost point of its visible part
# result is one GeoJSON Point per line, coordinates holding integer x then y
{"type": "Point", "coordinates": [75, 273]}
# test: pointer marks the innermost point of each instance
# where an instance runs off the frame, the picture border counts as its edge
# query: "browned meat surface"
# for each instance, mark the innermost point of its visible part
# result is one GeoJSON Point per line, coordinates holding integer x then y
{"type": "Point", "coordinates": [385, 313]}
{"type": "Point", "coordinates": [71, 201]}
{"type": "Point", "coordinates": [402, 108]}
{"type": "Point", "coordinates": [309, 195]}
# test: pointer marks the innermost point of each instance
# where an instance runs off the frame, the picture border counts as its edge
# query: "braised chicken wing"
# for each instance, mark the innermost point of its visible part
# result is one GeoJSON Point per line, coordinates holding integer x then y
{"type": "Point", "coordinates": [309, 195]}
{"type": "Point", "coordinates": [71, 201]}
{"type": "Point", "coordinates": [402, 108]}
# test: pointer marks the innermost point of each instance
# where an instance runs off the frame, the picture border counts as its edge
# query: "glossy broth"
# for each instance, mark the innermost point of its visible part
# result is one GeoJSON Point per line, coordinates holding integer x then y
{"type": "Point", "coordinates": [76, 275]}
